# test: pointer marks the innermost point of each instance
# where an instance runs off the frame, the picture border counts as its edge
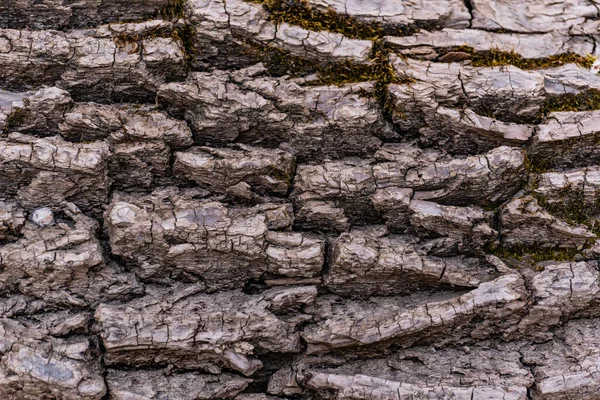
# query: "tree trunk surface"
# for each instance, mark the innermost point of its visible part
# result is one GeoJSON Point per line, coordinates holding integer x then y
{"type": "Point", "coordinates": [299, 199]}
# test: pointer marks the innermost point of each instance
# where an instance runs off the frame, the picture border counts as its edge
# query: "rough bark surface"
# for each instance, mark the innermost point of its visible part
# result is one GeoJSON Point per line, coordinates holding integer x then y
{"type": "Point", "coordinates": [303, 200]}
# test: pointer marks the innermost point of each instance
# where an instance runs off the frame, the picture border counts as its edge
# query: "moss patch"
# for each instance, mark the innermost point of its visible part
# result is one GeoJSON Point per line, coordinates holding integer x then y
{"type": "Point", "coordinates": [174, 9]}
{"type": "Point", "coordinates": [532, 255]}
{"type": "Point", "coordinates": [185, 35]}
{"type": "Point", "coordinates": [301, 13]}
{"type": "Point", "coordinates": [575, 209]}
{"type": "Point", "coordinates": [379, 70]}
{"type": "Point", "coordinates": [385, 76]}
{"type": "Point", "coordinates": [496, 58]}
{"type": "Point", "coordinates": [298, 12]}
{"type": "Point", "coordinates": [536, 164]}
{"type": "Point", "coordinates": [17, 117]}
{"type": "Point", "coordinates": [542, 160]}
{"type": "Point", "coordinates": [584, 101]}
{"type": "Point", "coordinates": [122, 39]}
{"type": "Point", "coordinates": [280, 62]}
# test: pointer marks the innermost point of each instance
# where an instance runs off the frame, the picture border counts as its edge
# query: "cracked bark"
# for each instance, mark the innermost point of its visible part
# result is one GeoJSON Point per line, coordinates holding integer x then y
{"type": "Point", "coordinates": [178, 220]}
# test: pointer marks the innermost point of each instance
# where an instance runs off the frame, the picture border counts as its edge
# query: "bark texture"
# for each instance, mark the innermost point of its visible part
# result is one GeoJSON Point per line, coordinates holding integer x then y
{"type": "Point", "coordinates": [313, 200]}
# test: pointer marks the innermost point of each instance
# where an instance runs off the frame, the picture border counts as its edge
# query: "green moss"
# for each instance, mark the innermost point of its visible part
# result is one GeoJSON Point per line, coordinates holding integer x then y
{"type": "Point", "coordinates": [175, 9]}
{"type": "Point", "coordinates": [186, 35]}
{"type": "Point", "coordinates": [536, 164]}
{"type": "Point", "coordinates": [587, 100]}
{"type": "Point", "coordinates": [532, 255]}
{"type": "Point", "coordinates": [384, 77]}
{"type": "Point", "coordinates": [302, 14]}
{"type": "Point", "coordinates": [495, 58]}
{"type": "Point", "coordinates": [575, 209]}
{"type": "Point", "coordinates": [122, 39]}
{"type": "Point", "coordinates": [280, 62]}
{"type": "Point", "coordinates": [584, 101]}
{"type": "Point", "coordinates": [16, 118]}
{"type": "Point", "coordinates": [379, 70]}
{"type": "Point", "coordinates": [344, 72]}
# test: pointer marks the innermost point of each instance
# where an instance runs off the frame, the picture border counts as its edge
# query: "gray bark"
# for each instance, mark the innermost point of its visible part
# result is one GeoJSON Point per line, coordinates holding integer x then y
{"type": "Point", "coordinates": [181, 218]}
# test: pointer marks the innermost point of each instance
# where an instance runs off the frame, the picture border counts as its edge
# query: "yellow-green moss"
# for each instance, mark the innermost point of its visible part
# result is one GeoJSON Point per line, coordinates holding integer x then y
{"type": "Point", "coordinates": [186, 35]}
{"type": "Point", "coordinates": [536, 164]}
{"type": "Point", "coordinates": [174, 9]}
{"type": "Point", "coordinates": [278, 61]}
{"type": "Point", "coordinates": [386, 76]}
{"type": "Point", "coordinates": [495, 58]}
{"type": "Point", "coordinates": [299, 12]}
{"type": "Point", "coordinates": [379, 70]}
{"type": "Point", "coordinates": [340, 73]}
{"type": "Point", "coordinates": [584, 101]}
{"type": "Point", "coordinates": [532, 255]}
{"type": "Point", "coordinates": [16, 118]}
{"type": "Point", "coordinates": [122, 39]}
{"type": "Point", "coordinates": [575, 209]}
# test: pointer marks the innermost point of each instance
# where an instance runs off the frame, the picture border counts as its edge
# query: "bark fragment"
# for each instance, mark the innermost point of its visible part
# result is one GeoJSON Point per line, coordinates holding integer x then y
{"type": "Point", "coordinates": [106, 63]}
{"type": "Point", "coordinates": [368, 265]}
{"type": "Point", "coordinates": [247, 107]}
{"type": "Point", "coordinates": [223, 246]}
{"type": "Point", "coordinates": [525, 223]}
{"type": "Point", "coordinates": [426, 44]}
{"type": "Point", "coordinates": [223, 30]}
{"type": "Point", "coordinates": [57, 14]}
{"type": "Point", "coordinates": [63, 265]}
{"type": "Point", "coordinates": [34, 366]}
{"type": "Point", "coordinates": [207, 332]}
{"type": "Point", "coordinates": [265, 171]}
{"type": "Point", "coordinates": [363, 189]}
{"type": "Point", "coordinates": [154, 385]}
{"type": "Point", "coordinates": [49, 171]}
